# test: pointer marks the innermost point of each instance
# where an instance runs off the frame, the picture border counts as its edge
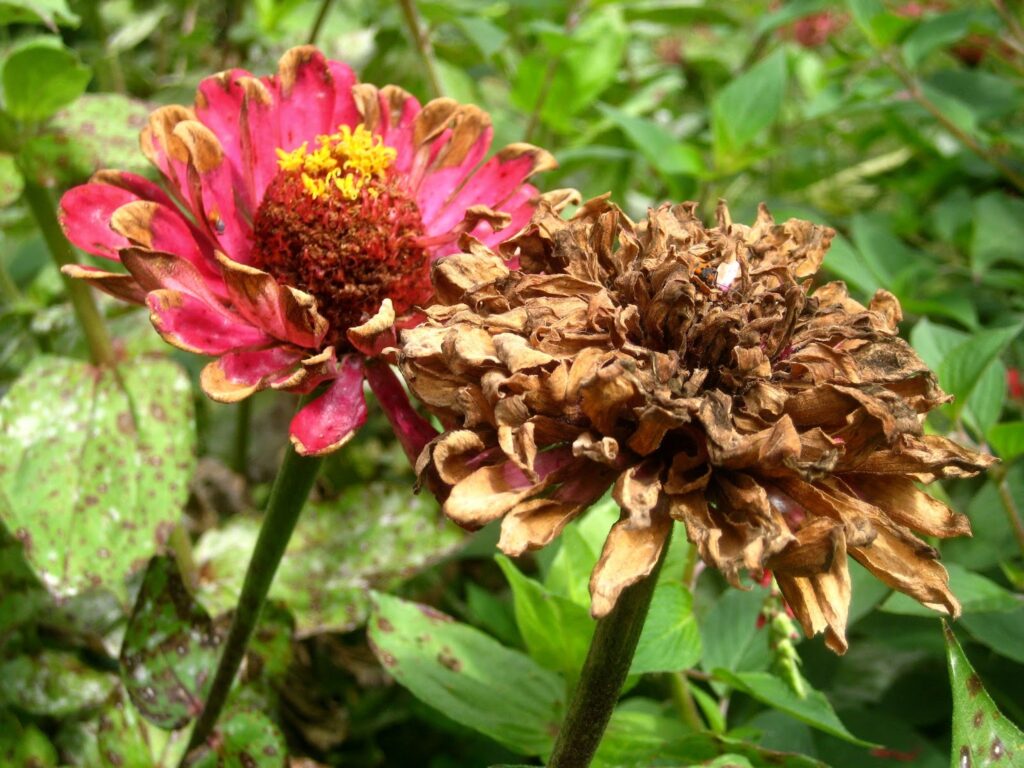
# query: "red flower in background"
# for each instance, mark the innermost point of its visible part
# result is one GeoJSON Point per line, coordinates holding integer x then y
{"type": "Point", "coordinates": [292, 210]}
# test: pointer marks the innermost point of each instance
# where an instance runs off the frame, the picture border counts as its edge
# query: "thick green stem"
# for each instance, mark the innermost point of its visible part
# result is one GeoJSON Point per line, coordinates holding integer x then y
{"type": "Point", "coordinates": [40, 203]}
{"type": "Point", "coordinates": [684, 702]}
{"type": "Point", "coordinates": [180, 545]}
{"type": "Point", "coordinates": [604, 672]}
{"type": "Point", "coordinates": [291, 488]}
{"type": "Point", "coordinates": [422, 42]}
{"type": "Point", "coordinates": [243, 422]}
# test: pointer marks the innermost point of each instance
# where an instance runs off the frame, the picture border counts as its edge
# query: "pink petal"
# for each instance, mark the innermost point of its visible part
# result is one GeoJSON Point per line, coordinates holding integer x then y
{"type": "Point", "coordinates": [259, 135]}
{"type": "Point", "coordinates": [195, 326]}
{"type": "Point", "coordinates": [345, 110]}
{"type": "Point", "coordinates": [85, 213]}
{"type": "Point", "coordinates": [218, 106]}
{"type": "Point", "coordinates": [397, 129]}
{"type": "Point", "coordinates": [306, 88]}
{"type": "Point", "coordinates": [439, 184]}
{"type": "Point", "coordinates": [117, 284]}
{"type": "Point", "coordinates": [140, 186]}
{"type": "Point", "coordinates": [520, 206]}
{"type": "Point", "coordinates": [236, 375]}
{"type": "Point", "coordinates": [328, 422]}
{"type": "Point", "coordinates": [412, 430]}
{"type": "Point", "coordinates": [157, 140]}
{"type": "Point", "coordinates": [156, 270]}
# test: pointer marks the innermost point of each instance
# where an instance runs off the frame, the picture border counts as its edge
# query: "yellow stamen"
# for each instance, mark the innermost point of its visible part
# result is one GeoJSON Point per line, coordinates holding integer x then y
{"type": "Point", "coordinates": [359, 152]}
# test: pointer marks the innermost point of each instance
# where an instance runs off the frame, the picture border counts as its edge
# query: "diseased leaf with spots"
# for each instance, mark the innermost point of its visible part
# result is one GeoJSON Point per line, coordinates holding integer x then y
{"type": "Point", "coordinates": [101, 130]}
{"type": "Point", "coordinates": [982, 736]}
{"type": "Point", "coordinates": [53, 684]}
{"type": "Point", "coordinates": [169, 650]}
{"type": "Point", "coordinates": [24, 745]}
{"type": "Point", "coordinates": [467, 675]}
{"type": "Point", "coordinates": [372, 537]}
{"type": "Point", "coordinates": [95, 466]}
{"type": "Point", "coordinates": [246, 739]}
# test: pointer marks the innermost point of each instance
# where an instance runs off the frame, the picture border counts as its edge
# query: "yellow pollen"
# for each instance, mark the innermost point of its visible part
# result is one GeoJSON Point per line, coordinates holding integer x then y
{"type": "Point", "coordinates": [345, 161]}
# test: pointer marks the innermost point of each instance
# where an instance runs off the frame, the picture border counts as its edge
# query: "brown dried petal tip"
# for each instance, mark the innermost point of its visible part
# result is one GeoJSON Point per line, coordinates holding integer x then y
{"type": "Point", "coordinates": [693, 369]}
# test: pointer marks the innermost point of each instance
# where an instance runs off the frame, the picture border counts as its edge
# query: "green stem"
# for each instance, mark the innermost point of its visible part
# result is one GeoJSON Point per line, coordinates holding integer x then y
{"type": "Point", "coordinates": [684, 702]}
{"type": "Point", "coordinates": [604, 672]}
{"type": "Point", "coordinates": [318, 24]}
{"type": "Point", "coordinates": [243, 422]}
{"type": "Point", "coordinates": [180, 545]}
{"type": "Point", "coordinates": [291, 488]}
{"type": "Point", "coordinates": [40, 203]}
{"type": "Point", "coordinates": [422, 42]}
{"type": "Point", "coordinates": [1009, 505]}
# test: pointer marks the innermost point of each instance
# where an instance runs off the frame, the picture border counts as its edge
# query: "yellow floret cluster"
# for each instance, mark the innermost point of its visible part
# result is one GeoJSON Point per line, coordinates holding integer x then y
{"type": "Point", "coordinates": [344, 161]}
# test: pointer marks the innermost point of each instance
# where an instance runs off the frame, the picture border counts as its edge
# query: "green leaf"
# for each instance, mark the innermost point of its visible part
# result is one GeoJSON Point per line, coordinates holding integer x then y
{"type": "Point", "coordinates": [51, 13]}
{"type": "Point", "coordinates": [937, 32]}
{"type": "Point", "coordinates": [104, 131]}
{"type": "Point", "coordinates": [729, 629]}
{"type": "Point", "coordinates": [814, 709]}
{"type": "Point", "coordinates": [248, 739]}
{"type": "Point", "coordinates": [123, 738]}
{"type": "Point", "coordinates": [665, 153]}
{"type": "Point", "coordinates": [982, 736]}
{"type": "Point", "coordinates": [556, 630]}
{"type": "Point", "coordinates": [169, 650]}
{"type": "Point", "coordinates": [847, 263]}
{"type": "Point", "coordinates": [11, 181]}
{"type": "Point", "coordinates": [40, 77]}
{"type": "Point", "coordinates": [998, 231]}
{"type": "Point", "coordinates": [748, 105]}
{"type": "Point", "coordinates": [963, 367]}
{"type": "Point", "coordinates": [53, 684]}
{"type": "Point", "coordinates": [372, 536]}
{"type": "Point", "coordinates": [21, 593]}
{"type": "Point", "coordinates": [1001, 631]}
{"type": "Point", "coordinates": [879, 25]}
{"type": "Point", "coordinates": [24, 745]}
{"type": "Point", "coordinates": [975, 593]}
{"type": "Point", "coordinates": [468, 676]}
{"type": "Point", "coordinates": [99, 463]}
{"type": "Point", "coordinates": [1007, 439]}
{"type": "Point", "coordinates": [670, 640]}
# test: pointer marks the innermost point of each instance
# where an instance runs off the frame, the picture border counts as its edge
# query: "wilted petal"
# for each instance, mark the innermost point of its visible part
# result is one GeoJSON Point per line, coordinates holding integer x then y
{"type": "Point", "coordinates": [117, 284]}
{"type": "Point", "coordinates": [412, 430]}
{"type": "Point", "coordinates": [236, 375]}
{"type": "Point", "coordinates": [194, 325]}
{"type": "Point", "coordinates": [330, 421]}
{"type": "Point", "coordinates": [630, 553]}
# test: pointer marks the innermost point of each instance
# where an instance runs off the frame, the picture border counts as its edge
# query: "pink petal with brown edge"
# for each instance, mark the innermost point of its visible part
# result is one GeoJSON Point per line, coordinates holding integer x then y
{"type": "Point", "coordinates": [376, 334]}
{"type": "Point", "coordinates": [236, 375]}
{"type": "Point", "coordinates": [212, 185]}
{"type": "Point", "coordinates": [492, 184]}
{"type": "Point", "coordinates": [117, 284]}
{"type": "Point", "coordinates": [85, 213]}
{"type": "Point", "coordinates": [630, 554]}
{"type": "Point", "coordinates": [258, 127]}
{"type": "Point", "coordinates": [164, 150]}
{"type": "Point", "coordinates": [439, 183]}
{"type": "Point", "coordinates": [282, 311]}
{"type": "Point", "coordinates": [908, 505]}
{"type": "Point", "coordinates": [156, 227]}
{"type": "Point", "coordinates": [401, 108]}
{"type": "Point", "coordinates": [520, 208]}
{"type": "Point", "coordinates": [157, 269]}
{"type": "Point", "coordinates": [139, 186]}
{"type": "Point", "coordinates": [219, 104]}
{"type": "Point", "coordinates": [311, 373]}
{"type": "Point", "coordinates": [345, 110]}
{"type": "Point", "coordinates": [330, 421]}
{"type": "Point", "coordinates": [306, 89]}
{"type": "Point", "coordinates": [412, 430]}
{"type": "Point", "coordinates": [193, 325]}
{"type": "Point", "coordinates": [489, 492]}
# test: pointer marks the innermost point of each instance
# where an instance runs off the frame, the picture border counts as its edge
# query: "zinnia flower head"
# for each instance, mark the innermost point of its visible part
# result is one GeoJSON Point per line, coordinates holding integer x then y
{"type": "Point", "coordinates": [693, 370]}
{"type": "Point", "coordinates": [292, 210]}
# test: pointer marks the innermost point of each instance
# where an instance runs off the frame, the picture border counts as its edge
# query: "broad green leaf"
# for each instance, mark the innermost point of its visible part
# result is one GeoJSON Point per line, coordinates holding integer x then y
{"type": "Point", "coordinates": [998, 231]}
{"type": "Point", "coordinates": [139, 27]}
{"type": "Point", "coordinates": [666, 154]}
{"type": "Point", "coordinates": [468, 676]}
{"type": "Point", "coordinates": [1007, 439]}
{"type": "Point", "coordinates": [993, 541]}
{"type": "Point", "coordinates": [53, 684]}
{"type": "Point", "coordinates": [24, 745]}
{"type": "Point", "coordinates": [729, 629]}
{"type": "Point", "coordinates": [579, 547]}
{"type": "Point", "coordinates": [963, 367]}
{"type": "Point", "coordinates": [975, 593]}
{"type": "Point", "coordinates": [373, 536]}
{"type": "Point", "coordinates": [748, 104]}
{"type": "Point", "coordinates": [11, 181]}
{"type": "Point", "coordinates": [51, 13]}
{"type": "Point", "coordinates": [556, 630]}
{"type": "Point", "coordinates": [494, 614]}
{"type": "Point", "coordinates": [123, 738]}
{"type": "Point", "coordinates": [937, 32]}
{"type": "Point", "coordinates": [99, 463]}
{"type": "Point", "coordinates": [170, 648]}
{"type": "Point", "coordinates": [677, 12]}
{"type": "Point", "coordinates": [1001, 631]}
{"type": "Point", "coordinates": [641, 734]}
{"type": "Point", "coordinates": [487, 36]}
{"type": "Point", "coordinates": [670, 640]}
{"type": "Point", "coordinates": [101, 130]}
{"type": "Point", "coordinates": [982, 736]}
{"type": "Point", "coordinates": [248, 739]}
{"type": "Point", "coordinates": [40, 77]}
{"type": "Point", "coordinates": [21, 593]}
{"type": "Point", "coordinates": [847, 263]}
{"type": "Point", "coordinates": [881, 26]}
{"type": "Point", "coordinates": [814, 709]}
{"type": "Point", "coordinates": [986, 95]}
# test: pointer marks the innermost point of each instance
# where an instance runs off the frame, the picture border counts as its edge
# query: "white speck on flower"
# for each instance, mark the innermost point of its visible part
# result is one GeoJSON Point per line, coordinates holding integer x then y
{"type": "Point", "coordinates": [728, 271]}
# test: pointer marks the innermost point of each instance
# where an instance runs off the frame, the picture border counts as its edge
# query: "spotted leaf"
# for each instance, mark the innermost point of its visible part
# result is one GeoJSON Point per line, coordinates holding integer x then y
{"type": "Point", "coordinates": [245, 739]}
{"type": "Point", "coordinates": [169, 650]}
{"type": "Point", "coordinates": [982, 736]}
{"type": "Point", "coordinates": [94, 465]}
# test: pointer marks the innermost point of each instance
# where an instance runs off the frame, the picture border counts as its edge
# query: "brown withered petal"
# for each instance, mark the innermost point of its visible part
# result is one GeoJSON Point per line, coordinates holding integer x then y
{"type": "Point", "coordinates": [695, 372]}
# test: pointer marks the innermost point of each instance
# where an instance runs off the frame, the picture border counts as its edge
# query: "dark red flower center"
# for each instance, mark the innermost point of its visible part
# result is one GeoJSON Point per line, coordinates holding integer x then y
{"type": "Point", "coordinates": [338, 224]}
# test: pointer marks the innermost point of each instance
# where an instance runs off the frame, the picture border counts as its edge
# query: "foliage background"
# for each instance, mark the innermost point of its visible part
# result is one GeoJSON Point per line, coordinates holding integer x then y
{"type": "Point", "coordinates": [899, 124]}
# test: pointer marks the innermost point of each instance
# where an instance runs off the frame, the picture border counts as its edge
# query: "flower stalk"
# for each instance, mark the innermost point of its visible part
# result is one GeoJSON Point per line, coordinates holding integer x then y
{"type": "Point", "coordinates": [604, 672]}
{"type": "Point", "coordinates": [422, 42]}
{"type": "Point", "coordinates": [287, 498]}
{"type": "Point", "coordinates": [40, 204]}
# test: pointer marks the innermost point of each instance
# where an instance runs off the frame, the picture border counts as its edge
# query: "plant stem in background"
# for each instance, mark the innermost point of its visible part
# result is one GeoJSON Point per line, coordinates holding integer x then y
{"type": "Point", "coordinates": [287, 498]}
{"type": "Point", "coordinates": [40, 203]}
{"type": "Point", "coordinates": [181, 547]}
{"type": "Point", "coordinates": [422, 42]}
{"type": "Point", "coordinates": [243, 426]}
{"type": "Point", "coordinates": [1009, 505]}
{"type": "Point", "coordinates": [318, 23]}
{"type": "Point", "coordinates": [572, 20]}
{"type": "Point", "coordinates": [684, 702]}
{"type": "Point", "coordinates": [604, 672]}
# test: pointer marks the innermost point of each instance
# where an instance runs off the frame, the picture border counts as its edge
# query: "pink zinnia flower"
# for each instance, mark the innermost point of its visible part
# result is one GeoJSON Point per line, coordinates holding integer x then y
{"type": "Point", "coordinates": [295, 223]}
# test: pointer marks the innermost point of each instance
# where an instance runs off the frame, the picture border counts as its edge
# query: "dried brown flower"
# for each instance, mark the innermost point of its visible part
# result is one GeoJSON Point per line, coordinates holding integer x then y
{"type": "Point", "coordinates": [692, 368]}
